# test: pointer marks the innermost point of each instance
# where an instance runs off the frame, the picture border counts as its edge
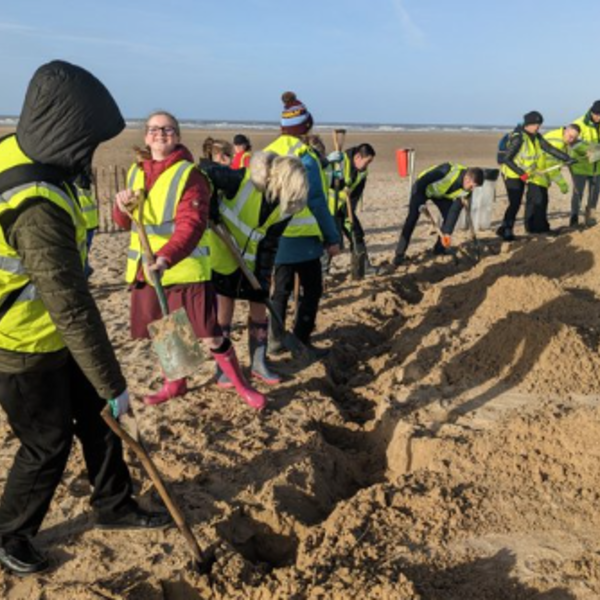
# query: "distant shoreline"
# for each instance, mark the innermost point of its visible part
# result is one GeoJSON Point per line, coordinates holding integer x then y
{"type": "Point", "coordinates": [384, 128]}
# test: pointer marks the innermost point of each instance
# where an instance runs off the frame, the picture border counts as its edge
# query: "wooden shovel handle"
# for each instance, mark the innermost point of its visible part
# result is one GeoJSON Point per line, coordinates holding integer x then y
{"type": "Point", "coordinates": [223, 234]}
{"type": "Point", "coordinates": [425, 208]}
{"type": "Point", "coordinates": [147, 250]}
{"type": "Point", "coordinates": [156, 478]}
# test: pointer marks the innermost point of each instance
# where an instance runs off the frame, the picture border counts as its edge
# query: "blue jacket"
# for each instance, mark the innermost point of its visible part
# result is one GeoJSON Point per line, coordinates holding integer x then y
{"type": "Point", "coordinates": [304, 249]}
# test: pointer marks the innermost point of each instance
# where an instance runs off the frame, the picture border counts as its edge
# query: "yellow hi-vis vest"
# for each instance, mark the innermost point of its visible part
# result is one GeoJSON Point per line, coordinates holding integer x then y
{"type": "Point", "coordinates": [347, 185]}
{"type": "Point", "coordinates": [159, 221]}
{"type": "Point", "coordinates": [554, 138]}
{"type": "Point", "coordinates": [241, 215]}
{"type": "Point", "coordinates": [589, 135]}
{"type": "Point", "coordinates": [89, 207]}
{"type": "Point", "coordinates": [439, 189]}
{"type": "Point", "coordinates": [27, 326]}
{"type": "Point", "coordinates": [527, 158]}
{"type": "Point", "coordinates": [304, 223]}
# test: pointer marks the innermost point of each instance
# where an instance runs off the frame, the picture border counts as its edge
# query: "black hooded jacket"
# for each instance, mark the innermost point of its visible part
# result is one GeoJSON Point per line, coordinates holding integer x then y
{"type": "Point", "coordinates": [66, 115]}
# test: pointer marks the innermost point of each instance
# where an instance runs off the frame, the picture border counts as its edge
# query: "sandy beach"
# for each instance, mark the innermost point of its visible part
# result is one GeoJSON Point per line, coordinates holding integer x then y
{"type": "Point", "coordinates": [446, 449]}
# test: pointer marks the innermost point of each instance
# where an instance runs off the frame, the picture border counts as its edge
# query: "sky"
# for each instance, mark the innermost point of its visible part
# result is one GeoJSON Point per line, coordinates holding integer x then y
{"type": "Point", "coordinates": [448, 62]}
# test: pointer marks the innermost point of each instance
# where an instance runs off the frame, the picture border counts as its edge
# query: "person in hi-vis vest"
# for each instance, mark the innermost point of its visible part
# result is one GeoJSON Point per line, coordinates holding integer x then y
{"type": "Point", "coordinates": [254, 206]}
{"type": "Point", "coordinates": [242, 152]}
{"type": "Point", "coordinates": [446, 185]}
{"type": "Point", "coordinates": [175, 217]}
{"type": "Point", "coordinates": [58, 369]}
{"type": "Point", "coordinates": [309, 232]}
{"type": "Point", "coordinates": [537, 197]}
{"type": "Point", "coordinates": [586, 172]}
{"type": "Point", "coordinates": [522, 159]}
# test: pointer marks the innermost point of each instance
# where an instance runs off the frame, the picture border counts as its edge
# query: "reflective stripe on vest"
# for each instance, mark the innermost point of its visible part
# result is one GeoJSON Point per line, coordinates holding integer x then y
{"type": "Point", "coordinates": [304, 223]}
{"type": "Point", "coordinates": [89, 207]}
{"type": "Point", "coordinates": [27, 326]}
{"type": "Point", "coordinates": [160, 208]}
{"type": "Point", "coordinates": [527, 157]}
{"type": "Point", "coordinates": [241, 217]}
{"type": "Point", "coordinates": [439, 189]}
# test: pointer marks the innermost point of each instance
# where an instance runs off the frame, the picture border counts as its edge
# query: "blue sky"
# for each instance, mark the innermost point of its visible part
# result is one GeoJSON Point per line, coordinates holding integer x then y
{"type": "Point", "coordinates": [378, 61]}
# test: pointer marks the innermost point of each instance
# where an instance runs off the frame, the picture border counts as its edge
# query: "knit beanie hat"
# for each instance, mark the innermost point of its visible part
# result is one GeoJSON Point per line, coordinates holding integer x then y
{"type": "Point", "coordinates": [295, 118]}
{"type": "Point", "coordinates": [533, 118]}
{"type": "Point", "coordinates": [596, 107]}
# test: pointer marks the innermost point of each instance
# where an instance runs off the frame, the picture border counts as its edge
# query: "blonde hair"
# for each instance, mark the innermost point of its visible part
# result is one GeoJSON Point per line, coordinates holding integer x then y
{"type": "Point", "coordinates": [210, 147]}
{"type": "Point", "coordinates": [280, 178]}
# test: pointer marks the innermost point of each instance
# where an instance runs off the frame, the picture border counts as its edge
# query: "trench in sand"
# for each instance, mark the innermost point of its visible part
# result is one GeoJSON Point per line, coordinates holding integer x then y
{"type": "Point", "coordinates": [393, 424]}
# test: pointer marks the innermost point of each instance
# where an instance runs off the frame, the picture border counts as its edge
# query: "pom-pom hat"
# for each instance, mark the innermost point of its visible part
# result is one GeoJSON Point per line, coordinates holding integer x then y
{"type": "Point", "coordinates": [295, 118]}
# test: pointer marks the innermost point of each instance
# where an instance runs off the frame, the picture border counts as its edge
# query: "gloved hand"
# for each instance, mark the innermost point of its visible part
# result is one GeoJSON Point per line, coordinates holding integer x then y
{"type": "Point", "coordinates": [524, 177]}
{"type": "Point", "coordinates": [571, 161]}
{"type": "Point", "coordinates": [335, 157]}
{"type": "Point", "coordinates": [563, 186]}
{"type": "Point", "coordinates": [446, 241]}
{"type": "Point", "coordinates": [119, 405]}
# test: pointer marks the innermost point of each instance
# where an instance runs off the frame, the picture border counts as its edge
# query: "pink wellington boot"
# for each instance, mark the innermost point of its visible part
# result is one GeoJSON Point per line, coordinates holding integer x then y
{"type": "Point", "coordinates": [230, 366]}
{"type": "Point", "coordinates": [170, 389]}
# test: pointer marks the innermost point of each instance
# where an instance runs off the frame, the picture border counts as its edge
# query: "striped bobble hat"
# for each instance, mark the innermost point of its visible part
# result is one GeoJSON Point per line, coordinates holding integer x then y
{"type": "Point", "coordinates": [295, 118]}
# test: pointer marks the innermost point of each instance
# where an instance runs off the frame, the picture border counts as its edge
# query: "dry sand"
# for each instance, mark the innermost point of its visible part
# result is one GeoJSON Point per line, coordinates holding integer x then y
{"type": "Point", "coordinates": [446, 449]}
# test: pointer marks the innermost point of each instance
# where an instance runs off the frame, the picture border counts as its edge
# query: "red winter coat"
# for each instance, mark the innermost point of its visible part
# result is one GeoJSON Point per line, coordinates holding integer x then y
{"type": "Point", "coordinates": [191, 220]}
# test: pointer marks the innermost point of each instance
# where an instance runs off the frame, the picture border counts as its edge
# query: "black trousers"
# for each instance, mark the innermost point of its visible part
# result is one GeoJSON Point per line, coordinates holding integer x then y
{"type": "Point", "coordinates": [46, 410]}
{"type": "Point", "coordinates": [536, 209]}
{"type": "Point", "coordinates": [450, 218]}
{"type": "Point", "coordinates": [311, 282]}
{"type": "Point", "coordinates": [515, 189]}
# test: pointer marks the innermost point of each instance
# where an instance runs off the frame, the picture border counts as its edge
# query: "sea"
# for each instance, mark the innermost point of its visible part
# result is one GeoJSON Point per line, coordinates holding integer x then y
{"type": "Point", "coordinates": [230, 126]}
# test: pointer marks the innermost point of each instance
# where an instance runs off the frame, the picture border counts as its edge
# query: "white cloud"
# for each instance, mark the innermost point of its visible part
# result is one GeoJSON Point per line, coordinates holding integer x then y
{"type": "Point", "coordinates": [412, 33]}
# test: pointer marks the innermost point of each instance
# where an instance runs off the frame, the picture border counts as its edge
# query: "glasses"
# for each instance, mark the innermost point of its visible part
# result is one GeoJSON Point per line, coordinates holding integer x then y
{"type": "Point", "coordinates": [155, 130]}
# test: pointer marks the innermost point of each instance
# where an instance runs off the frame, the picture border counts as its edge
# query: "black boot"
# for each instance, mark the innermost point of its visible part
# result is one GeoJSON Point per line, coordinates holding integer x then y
{"type": "Point", "coordinates": [20, 557]}
{"type": "Point", "coordinates": [506, 233]}
{"type": "Point", "coordinates": [135, 518]}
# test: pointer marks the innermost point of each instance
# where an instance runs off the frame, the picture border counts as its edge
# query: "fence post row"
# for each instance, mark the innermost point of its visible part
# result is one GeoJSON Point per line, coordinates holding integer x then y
{"type": "Point", "coordinates": [107, 181]}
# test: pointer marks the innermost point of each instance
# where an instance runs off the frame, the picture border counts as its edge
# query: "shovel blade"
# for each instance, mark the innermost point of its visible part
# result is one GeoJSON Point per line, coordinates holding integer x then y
{"type": "Point", "coordinates": [357, 265]}
{"type": "Point", "coordinates": [176, 345]}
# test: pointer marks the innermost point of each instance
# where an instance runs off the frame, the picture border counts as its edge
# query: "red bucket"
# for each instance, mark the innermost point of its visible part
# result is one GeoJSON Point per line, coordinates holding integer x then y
{"type": "Point", "coordinates": [402, 155]}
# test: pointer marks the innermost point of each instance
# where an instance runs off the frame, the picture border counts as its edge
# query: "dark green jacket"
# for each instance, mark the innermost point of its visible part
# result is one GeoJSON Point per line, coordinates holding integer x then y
{"type": "Point", "coordinates": [67, 113]}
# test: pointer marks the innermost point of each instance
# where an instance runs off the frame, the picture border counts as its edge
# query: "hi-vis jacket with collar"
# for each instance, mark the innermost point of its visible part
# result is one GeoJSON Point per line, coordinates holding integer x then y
{"type": "Point", "coordinates": [241, 216]}
{"type": "Point", "coordinates": [304, 223]}
{"type": "Point", "coordinates": [158, 218]}
{"type": "Point", "coordinates": [26, 325]}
